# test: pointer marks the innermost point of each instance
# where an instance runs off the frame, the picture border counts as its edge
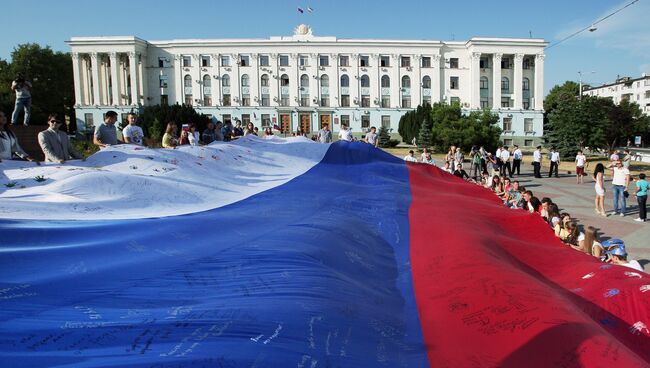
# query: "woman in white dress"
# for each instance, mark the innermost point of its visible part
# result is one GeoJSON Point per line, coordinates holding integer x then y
{"type": "Point", "coordinates": [599, 187]}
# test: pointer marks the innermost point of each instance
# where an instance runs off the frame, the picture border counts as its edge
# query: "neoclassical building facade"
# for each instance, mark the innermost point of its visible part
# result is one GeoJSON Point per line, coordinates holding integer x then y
{"type": "Point", "coordinates": [305, 80]}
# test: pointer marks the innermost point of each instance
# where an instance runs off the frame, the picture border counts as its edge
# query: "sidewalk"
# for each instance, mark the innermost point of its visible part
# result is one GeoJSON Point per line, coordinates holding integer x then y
{"type": "Point", "coordinates": [578, 200]}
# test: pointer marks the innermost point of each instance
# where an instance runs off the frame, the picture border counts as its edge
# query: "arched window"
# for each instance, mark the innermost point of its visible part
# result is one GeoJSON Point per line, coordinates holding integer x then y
{"type": "Point", "coordinates": [365, 81]}
{"type": "Point", "coordinates": [324, 80]}
{"type": "Point", "coordinates": [207, 81]}
{"type": "Point", "coordinates": [245, 82]}
{"type": "Point", "coordinates": [484, 83]}
{"type": "Point", "coordinates": [264, 80]}
{"type": "Point", "coordinates": [304, 81]}
{"type": "Point", "coordinates": [225, 80]}
{"type": "Point", "coordinates": [187, 81]}
{"type": "Point", "coordinates": [505, 85]}
{"type": "Point", "coordinates": [526, 84]}
{"type": "Point", "coordinates": [345, 81]}
{"type": "Point", "coordinates": [284, 80]}
{"type": "Point", "coordinates": [406, 82]}
{"type": "Point", "coordinates": [426, 82]}
{"type": "Point", "coordinates": [385, 81]}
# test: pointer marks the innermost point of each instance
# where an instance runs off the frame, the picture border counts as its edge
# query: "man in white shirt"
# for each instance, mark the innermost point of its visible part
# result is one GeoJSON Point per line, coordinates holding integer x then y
{"type": "Point", "coordinates": [537, 162]}
{"type": "Point", "coordinates": [619, 257]}
{"type": "Point", "coordinates": [345, 134]}
{"type": "Point", "coordinates": [132, 133]}
{"type": "Point", "coordinates": [516, 161]}
{"type": "Point", "coordinates": [371, 137]}
{"type": "Point", "coordinates": [555, 163]}
{"type": "Point", "coordinates": [411, 157]}
{"type": "Point", "coordinates": [505, 162]}
{"type": "Point", "coordinates": [620, 181]}
{"type": "Point", "coordinates": [581, 160]}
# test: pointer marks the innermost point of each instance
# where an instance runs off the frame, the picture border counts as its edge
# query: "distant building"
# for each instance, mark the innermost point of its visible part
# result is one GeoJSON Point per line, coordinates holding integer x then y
{"type": "Point", "coordinates": [305, 81]}
{"type": "Point", "coordinates": [635, 90]}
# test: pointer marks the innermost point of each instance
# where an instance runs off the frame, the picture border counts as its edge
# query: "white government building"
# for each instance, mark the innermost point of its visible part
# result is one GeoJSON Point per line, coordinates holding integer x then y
{"type": "Point", "coordinates": [626, 88]}
{"type": "Point", "coordinates": [305, 80]}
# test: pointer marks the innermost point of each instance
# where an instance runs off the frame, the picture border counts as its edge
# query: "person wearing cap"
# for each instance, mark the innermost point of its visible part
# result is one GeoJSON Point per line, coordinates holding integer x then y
{"type": "Point", "coordinates": [55, 143]}
{"type": "Point", "coordinates": [620, 182]}
{"type": "Point", "coordinates": [618, 255]}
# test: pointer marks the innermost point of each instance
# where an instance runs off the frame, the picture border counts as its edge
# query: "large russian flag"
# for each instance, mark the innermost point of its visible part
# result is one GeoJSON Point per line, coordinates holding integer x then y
{"type": "Point", "coordinates": [287, 253]}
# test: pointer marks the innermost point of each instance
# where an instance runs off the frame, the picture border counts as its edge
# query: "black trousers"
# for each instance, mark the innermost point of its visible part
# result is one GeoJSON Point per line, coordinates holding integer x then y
{"type": "Point", "coordinates": [642, 209]}
{"type": "Point", "coordinates": [516, 167]}
{"type": "Point", "coordinates": [554, 167]}
{"type": "Point", "coordinates": [505, 167]}
{"type": "Point", "coordinates": [537, 169]}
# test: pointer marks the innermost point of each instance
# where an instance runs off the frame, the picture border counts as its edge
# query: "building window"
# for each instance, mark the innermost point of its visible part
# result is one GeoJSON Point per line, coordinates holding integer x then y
{"type": "Point", "coordinates": [207, 85]}
{"type": "Point", "coordinates": [483, 63]}
{"type": "Point", "coordinates": [264, 60]}
{"type": "Point", "coordinates": [161, 62]}
{"type": "Point", "coordinates": [484, 83]}
{"type": "Point", "coordinates": [266, 120]}
{"type": "Point", "coordinates": [324, 60]}
{"type": "Point", "coordinates": [453, 82]}
{"type": "Point", "coordinates": [164, 100]}
{"type": "Point", "coordinates": [344, 60]}
{"type": "Point", "coordinates": [304, 101]}
{"type": "Point", "coordinates": [244, 60]}
{"type": "Point", "coordinates": [453, 63]}
{"type": "Point", "coordinates": [505, 63]}
{"type": "Point", "coordinates": [245, 81]}
{"type": "Point", "coordinates": [264, 80]}
{"type": "Point", "coordinates": [187, 81]}
{"type": "Point", "coordinates": [90, 121]}
{"type": "Point", "coordinates": [266, 101]}
{"type": "Point", "coordinates": [365, 121]}
{"type": "Point", "coordinates": [187, 61]}
{"type": "Point", "coordinates": [245, 119]}
{"type": "Point", "coordinates": [525, 84]}
{"type": "Point", "coordinates": [345, 81]}
{"type": "Point", "coordinates": [345, 120]}
{"type": "Point", "coordinates": [507, 142]}
{"type": "Point", "coordinates": [303, 60]}
{"type": "Point", "coordinates": [528, 125]}
{"type": "Point", "coordinates": [365, 81]}
{"type": "Point", "coordinates": [406, 102]}
{"type": "Point", "coordinates": [345, 100]}
{"type": "Point", "coordinates": [324, 80]}
{"type": "Point", "coordinates": [526, 103]}
{"type": "Point", "coordinates": [364, 60]}
{"type": "Point", "coordinates": [385, 81]}
{"type": "Point", "coordinates": [225, 60]}
{"type": "Point", "coordinates": [484, 103]}
{"type": "Point", "coordinates": [426, 101]}
{"type": "Point", "coordinates": [245, 100]}
{"type": "Point", "coordinates": [227, 118]}
{"type": "Point", "coordinates": [384, 61]}
{"type": "Point", "coordinates": [284, 80]}
{"type": "Point", "coordinates": [365, 101]}
{"type": "Point", "coordinates": [163, 81]}
{"type": "Point", "coordinates": [505, 85]}
{"type": "Point", "coordinates": [406, 82]}
{"type": "Point", "coordinates": [225, 80]}
{"type": "Point", "coordinates": [406, 61]}
{"type": "Point", "coordinates": [426, 82]}
{"type": "Point", "coordinates": [385, 101]}
{"type": "Point", "coordinates": [188, 100]}
{"type": "Point", "coordinates": [455, 100]}
{"type": "Point", "coordinates": [527, 63]}
{"type": "Point", "coordinates": [284, 100]}
{"type": "Point", "coordinates": [304, 82]}
{"type": "Point", "coordinates": [385, 121]}
{"type": "Point", "coordinates": [426, 62]}
{"type": "Point", "coordinates": [226, 100]}
{"type": "Point", "coordinates": [207, 100]}
{"type": "Point", "coordinates": [507, 124]}
{"type": "Point", "coordinates": [284, 60]}
{"type": "Point", "coordinates": [528, 142]}
{"type": "Point", "coordinates": [325, 101]}
{"type": "Point", "coordinates": [205, 61]}
{"type": "Point", "coordinates": [505, 101]}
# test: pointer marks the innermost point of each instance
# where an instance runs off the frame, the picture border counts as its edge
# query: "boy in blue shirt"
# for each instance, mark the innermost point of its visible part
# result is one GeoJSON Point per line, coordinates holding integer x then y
{"type": "Point", "coordinates": [642, 187]}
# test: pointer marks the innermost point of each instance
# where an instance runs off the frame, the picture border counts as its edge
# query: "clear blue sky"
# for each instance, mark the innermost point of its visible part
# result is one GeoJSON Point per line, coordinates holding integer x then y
{"type": "Point", "coordinates": [621, 45]}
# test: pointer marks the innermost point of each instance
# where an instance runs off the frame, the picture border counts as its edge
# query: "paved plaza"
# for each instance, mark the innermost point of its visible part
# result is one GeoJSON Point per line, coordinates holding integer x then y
{"type": "Point", "coordinates": [578, 200]}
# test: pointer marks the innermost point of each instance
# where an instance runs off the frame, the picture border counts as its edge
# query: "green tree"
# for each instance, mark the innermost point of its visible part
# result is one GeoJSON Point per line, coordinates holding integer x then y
{"type": "Point", "coordinates": [426, 134]}
{"type": "Point", "coordinates": [384, 137]}
{"type": "Point", "coordinates": [409, 123]}
{"type": "Point", "coordinates": [451, 128]}
{"type": "Point", "coordinates": [155, 119]}
{"type": "Point", "coordinates": [51, 76]}
{"type": "Point", "coordinates": [625, 121]}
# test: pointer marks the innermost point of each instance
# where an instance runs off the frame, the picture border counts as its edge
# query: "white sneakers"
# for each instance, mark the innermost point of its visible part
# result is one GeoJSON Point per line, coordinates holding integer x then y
{"type": "Point", "coordinates": [639, 220]}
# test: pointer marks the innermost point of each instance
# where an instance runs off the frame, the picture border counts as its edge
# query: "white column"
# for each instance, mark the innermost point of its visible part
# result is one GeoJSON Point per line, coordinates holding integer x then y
{"type": "Point", "coordinates": [76, 67]}
{"type": "Point", "coordinates": [142, 79]}
{"type": "Point", "coordinates": [436, 86]}
{"type": "Point", "coordinates": [475, 70]}
{"type": "Point", "coordinates": [115, 79]}
{"type": "Point", "coordinates": [95, 78]}
{"type": "Point", "coordinates": [133, 73]}
{"type": "Point", "coordinates": [496, 81]}
{"type": "Point", "coordinates": [177, 78]}
{"type": "Point", "coordinates": [86, 76]}
{"type": "Point", "coordinates": [518, 81]}
{"type": "Point", "coordinates": [106, 93]}
{"type": "Point", "coordinates": [539, 82]}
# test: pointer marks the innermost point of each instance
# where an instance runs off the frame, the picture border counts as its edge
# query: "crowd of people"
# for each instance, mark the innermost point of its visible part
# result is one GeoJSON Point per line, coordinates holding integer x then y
{"type": "Point", "coordinates": [516, 196]}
